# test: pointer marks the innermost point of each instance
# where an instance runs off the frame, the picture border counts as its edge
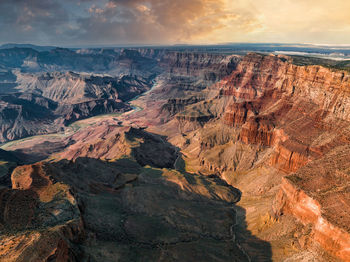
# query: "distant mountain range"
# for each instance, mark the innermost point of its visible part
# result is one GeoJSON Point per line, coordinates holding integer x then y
{"type": "Point", "coordinates": [228, 47]}
{"type": "Point", "coordinates": [35, 47]}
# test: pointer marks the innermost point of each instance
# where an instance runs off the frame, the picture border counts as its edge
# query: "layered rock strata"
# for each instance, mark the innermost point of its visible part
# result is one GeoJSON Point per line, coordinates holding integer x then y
{"type": "Point", "coordinates": [318, 195]}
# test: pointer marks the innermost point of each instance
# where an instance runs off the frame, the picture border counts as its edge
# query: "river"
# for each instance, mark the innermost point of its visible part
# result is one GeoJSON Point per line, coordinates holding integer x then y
{"type": "Point", "coordinates": [77, 125]}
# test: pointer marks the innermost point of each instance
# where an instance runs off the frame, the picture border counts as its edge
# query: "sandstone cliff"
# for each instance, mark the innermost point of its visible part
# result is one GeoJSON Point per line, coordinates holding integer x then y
{"type": "Point", "coordinates": [274, 102]}
{"type": "Point", "coordinates": [318, 195]}
{"type": "Point", "coordinates": [280, 116]}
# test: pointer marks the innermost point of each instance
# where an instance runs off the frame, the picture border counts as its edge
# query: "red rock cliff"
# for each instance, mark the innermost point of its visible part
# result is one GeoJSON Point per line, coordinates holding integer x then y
{"type": "Point", "coordinates": [274, 102]}
{"type": "Point", "coordinates": [318, 194]}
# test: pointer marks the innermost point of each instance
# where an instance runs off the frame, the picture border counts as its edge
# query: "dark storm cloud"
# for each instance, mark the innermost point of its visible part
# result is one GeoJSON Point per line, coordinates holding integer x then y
{"type": "Point", "coordinates": [34, 20]}
{"type": "Point", "coordinates": [115, 21]}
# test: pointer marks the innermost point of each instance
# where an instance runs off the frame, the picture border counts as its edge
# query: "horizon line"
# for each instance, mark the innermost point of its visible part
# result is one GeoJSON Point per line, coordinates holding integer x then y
{"type": "Point", "coordinates": [174, 45]}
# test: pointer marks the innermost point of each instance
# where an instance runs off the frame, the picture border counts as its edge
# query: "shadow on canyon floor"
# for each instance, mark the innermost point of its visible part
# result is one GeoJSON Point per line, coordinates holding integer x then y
{"type": "Point", "coordinates": [146, 201]}
{"type": "Point", "coordinates": [125, 206]}
{"type": "Point", "coordinates": [39, 152]}
{"type": "Point", "coordinates": [257, 249]}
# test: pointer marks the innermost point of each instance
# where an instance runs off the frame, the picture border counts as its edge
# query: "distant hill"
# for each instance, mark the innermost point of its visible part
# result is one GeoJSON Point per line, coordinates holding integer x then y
{"type": "Point", "coordinates": [35, 47]}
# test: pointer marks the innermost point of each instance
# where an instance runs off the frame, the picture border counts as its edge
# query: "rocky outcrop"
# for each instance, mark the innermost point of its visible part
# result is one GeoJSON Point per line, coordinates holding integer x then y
{"type": "Point", "coordinates": [212, 66]}
{"type": "Point", "coordinates": [236, 114]}
{"type": "Point", "coordinates": [39, 218]}
{"type": "Point", "coordinates": [272, 102]}
{"type": "Point", "coordinates": [110, 142]}
{"type": "Point", "coordinates": [318, 195]}
{"type": "Point", "coordinates": [124, 204]}
{"type": "Point", "coordinates": [258, 130]}
{"type": "Point", "coordinates": [289, 156]}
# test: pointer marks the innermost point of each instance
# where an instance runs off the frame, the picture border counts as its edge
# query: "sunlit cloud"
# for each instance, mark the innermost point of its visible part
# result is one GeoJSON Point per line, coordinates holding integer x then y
{"type": "Point", "coordinates": [174, 21]}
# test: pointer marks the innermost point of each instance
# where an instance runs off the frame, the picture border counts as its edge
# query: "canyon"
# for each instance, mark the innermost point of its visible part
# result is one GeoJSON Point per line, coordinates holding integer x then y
{"type": "Point", "coordinates": [153, 154]}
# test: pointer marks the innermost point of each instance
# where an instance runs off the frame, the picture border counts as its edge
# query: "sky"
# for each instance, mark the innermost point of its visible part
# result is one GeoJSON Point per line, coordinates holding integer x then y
{"type": "Point", "coordinates": [141, 22]}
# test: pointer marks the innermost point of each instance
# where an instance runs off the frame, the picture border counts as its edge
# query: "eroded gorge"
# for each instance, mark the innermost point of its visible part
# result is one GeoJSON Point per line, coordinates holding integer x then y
{"type": "Point", "coordinates": [160, 155]}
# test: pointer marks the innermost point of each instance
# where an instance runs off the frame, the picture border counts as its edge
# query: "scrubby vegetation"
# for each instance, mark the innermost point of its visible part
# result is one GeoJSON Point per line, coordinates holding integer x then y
{"type": "Point", "coordinates": [329, 63]}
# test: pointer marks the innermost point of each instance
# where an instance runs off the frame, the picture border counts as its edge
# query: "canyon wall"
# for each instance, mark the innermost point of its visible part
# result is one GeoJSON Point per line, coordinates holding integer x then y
{"type": "Point", "coordinates": [257, 117]}
{"type": "Point", "coordinates": [318, 195]}
{"type": "Point", "coordinates": [302, 112]}
{"type": "Point", "coordinates": [292, 118]}
{"type": "Point", "coordinates": [273, 102]}
{"type": "Point", "coordinates": [70, 96]}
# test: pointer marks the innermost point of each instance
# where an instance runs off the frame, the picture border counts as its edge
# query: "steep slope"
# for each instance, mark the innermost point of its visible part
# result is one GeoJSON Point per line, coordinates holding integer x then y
{"type": "Point", "coordinates": [318, 196]}
{"type": "Point", "coordinates": [267, 119]}
{"type": "Point", "coordinates": [39, 218]}
{"type": "Point", "coordinates": [73, 88]}
{"type": "Point", "coordinates": [131, 208]}
{"type": "Point", "coordinates": [46, 103]}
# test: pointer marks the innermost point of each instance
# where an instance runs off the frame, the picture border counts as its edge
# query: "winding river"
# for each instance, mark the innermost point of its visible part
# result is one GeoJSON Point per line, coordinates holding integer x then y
{"type": "Point", "coordinates": [77, 125]}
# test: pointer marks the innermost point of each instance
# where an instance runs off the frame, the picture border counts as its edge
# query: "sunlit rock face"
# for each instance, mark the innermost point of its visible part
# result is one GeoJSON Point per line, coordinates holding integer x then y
{"type": "Point", "coordinates": [274, 102]}
{"type": "Point", "coordinates": [317, 194]}
{"type": "Point", "coordinates": [282, 116]}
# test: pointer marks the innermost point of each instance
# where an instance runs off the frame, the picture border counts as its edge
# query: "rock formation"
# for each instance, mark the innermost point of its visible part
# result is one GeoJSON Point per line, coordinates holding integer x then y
{"type": "Point", "coordinates": [40, 218]}
{"type": "Point", "coordinates": [227, 158]}
{"type": "Point", "coordinates": [317, 195]}
{"type": "Point", "coordinates": [136, 208]}
{"type": "Point", "coordinates": [283, 116]}
{"type": "Point", "coordinates": [46, 103]}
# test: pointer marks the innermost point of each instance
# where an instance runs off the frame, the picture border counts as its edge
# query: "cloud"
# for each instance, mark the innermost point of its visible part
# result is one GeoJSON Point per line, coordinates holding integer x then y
{"type": "Point", "coordinates": [116, 21]}
{"type": "Point", "coordinates": [22, 20]}
{"type": "Point", "coordinates": [92, 22]}
{"type": "Point", "coordinates": [160, 21]}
